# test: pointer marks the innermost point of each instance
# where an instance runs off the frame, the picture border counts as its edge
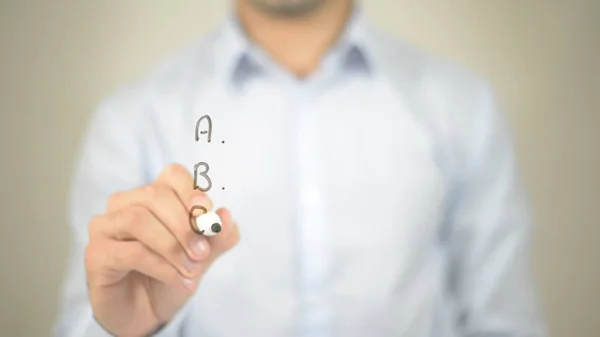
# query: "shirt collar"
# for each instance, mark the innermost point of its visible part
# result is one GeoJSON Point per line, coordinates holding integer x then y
{"type": "Point", "coordinates": [354, 43]}
{"type": "Point", "coordinates": [236, 55]}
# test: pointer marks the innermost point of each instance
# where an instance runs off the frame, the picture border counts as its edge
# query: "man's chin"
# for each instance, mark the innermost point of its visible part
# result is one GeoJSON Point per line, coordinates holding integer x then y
{"type": "Point", "coordinates": [288, 8]}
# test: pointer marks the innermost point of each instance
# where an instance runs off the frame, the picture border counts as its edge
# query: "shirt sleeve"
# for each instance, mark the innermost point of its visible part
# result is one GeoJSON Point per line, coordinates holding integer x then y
{"type": "Point", "coordinates": [110, 159]}
{"type": "Point", "coordinates": [491, 231]}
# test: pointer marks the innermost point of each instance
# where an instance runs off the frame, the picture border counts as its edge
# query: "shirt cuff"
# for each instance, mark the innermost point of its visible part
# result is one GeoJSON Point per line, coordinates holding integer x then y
{"type": "Point", "coordinates": [172, 329]}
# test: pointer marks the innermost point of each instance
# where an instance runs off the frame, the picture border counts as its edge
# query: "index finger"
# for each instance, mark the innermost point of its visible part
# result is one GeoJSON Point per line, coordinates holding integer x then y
{"type": "Point", "coordinates": [182, 182]}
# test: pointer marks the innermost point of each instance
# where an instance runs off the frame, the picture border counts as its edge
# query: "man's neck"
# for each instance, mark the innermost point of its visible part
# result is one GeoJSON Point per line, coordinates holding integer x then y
{"type": "Point", "coordinates": [298, 44]}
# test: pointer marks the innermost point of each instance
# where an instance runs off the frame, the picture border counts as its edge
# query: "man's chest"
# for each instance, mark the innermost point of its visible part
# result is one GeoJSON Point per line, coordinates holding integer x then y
{"type": "Point", "coordinates": [355, 158]}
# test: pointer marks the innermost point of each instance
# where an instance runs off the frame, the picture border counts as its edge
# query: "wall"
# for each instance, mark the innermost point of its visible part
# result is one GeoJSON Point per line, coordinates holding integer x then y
{"type": "Point", "coordinates": [59, 58]}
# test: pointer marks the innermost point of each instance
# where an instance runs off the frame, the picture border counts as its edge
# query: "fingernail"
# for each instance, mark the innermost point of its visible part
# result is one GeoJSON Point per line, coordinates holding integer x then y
{"type": "Point", "coordinates": [188, 283]}
{"type": "Point", "coordinates": [199, 247]}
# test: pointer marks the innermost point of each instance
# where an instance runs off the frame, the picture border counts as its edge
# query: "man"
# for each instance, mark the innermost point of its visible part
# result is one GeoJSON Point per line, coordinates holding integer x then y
{"type": "Point", "coordinates": [365, 189]}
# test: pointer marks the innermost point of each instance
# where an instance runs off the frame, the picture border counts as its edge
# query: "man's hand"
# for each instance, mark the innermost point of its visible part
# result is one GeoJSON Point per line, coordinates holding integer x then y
{"type": "Point", "coordinates": [143, 261]}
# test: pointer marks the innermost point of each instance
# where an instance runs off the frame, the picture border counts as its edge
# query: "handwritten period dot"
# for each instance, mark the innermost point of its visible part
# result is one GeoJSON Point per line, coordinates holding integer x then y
{"type": "Point", "coordinates": [222, 188]}
{"type": "Point", "coordinates": [222, 142]}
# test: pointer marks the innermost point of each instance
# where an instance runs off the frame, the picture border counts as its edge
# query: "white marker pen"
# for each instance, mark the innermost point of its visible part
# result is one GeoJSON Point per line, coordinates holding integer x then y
{"type": "Point", "coordinates": [207, 224]}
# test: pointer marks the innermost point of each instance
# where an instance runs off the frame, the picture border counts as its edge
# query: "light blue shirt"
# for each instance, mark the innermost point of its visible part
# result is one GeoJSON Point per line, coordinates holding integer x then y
{"type": "Point", "coordinates": [380, 196]}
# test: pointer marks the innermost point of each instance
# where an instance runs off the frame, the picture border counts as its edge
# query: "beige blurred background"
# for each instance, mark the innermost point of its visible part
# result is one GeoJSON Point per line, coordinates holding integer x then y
{"type": "Point", "coordinates": [59, 58]}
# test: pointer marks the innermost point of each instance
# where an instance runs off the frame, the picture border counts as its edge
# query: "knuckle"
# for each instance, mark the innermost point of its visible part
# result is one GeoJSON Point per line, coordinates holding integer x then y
{"type": "Point", "coordinates": [94, 257]}
{"type": "Point", "coordinates": [114, 199]}
{"type": "Point", "coordinates": [158, 191]}
{"type": "Point", "coordinates": [94, 224]}
{"type": "Point", "coordinates": [175, 171]}
{"type": "Point", "coordinates": [151, 191]}
{"type": "Point", "coordinates": [135, 215]}
{"type": "Point", "coordinates": [155, 196]}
